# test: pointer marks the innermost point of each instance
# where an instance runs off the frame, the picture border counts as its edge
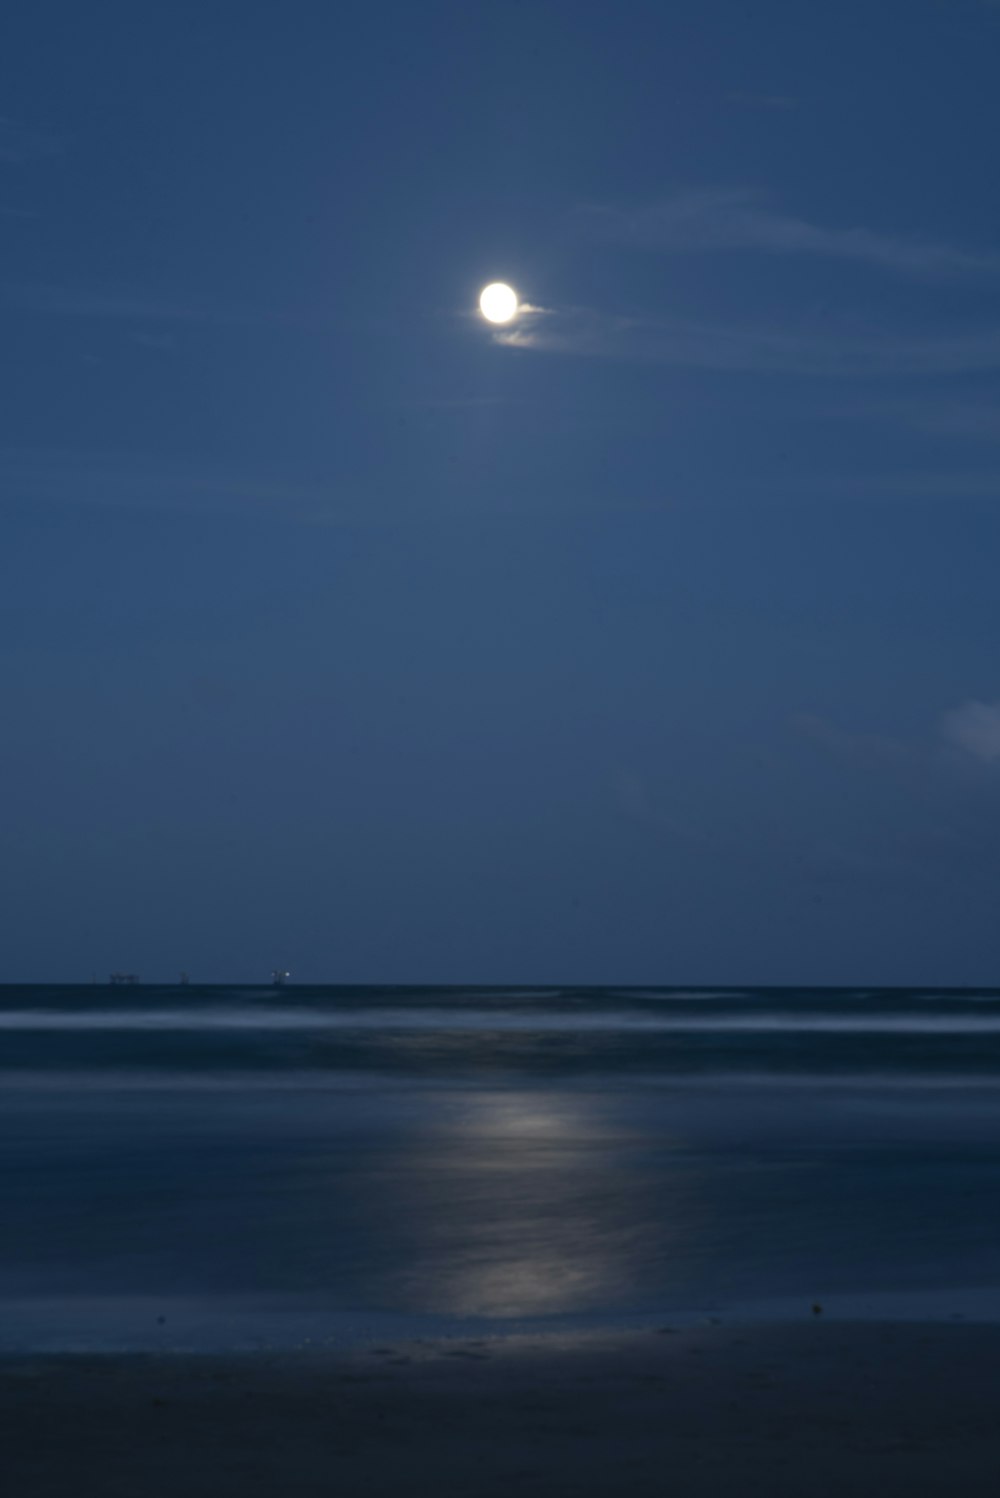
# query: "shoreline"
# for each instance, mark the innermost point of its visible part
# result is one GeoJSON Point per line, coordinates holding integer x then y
{"type": "Point", "coordinates": [780, 1409]}
{"type": "Point", "coordinates": [124, 1326]}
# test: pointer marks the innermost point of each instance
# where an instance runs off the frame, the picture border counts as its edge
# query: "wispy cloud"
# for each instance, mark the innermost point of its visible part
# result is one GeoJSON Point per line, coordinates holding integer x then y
{"type": "Point", "coordinates": [972, 419]}
{"type": "Point", "coordinates": [457, 402]}
{"type": "Point", "coordinates": [128, 304]}
{"type": "Point", "coordinates": [972, 728]}
{"type": "Point", "coordinates": [859, 748]}
{"type": "Point", "coordinates": [20, 143]}
{"type": "Point", "coordinates": [909, 484]}
{"type": "Point", "coordinates": [975, 729]}
{"type": "Point", "coordinates": [765, 101]}
{"type": "Point", "coordinates": [654, 808]}
{"type": "Point", "coordinates": [148, 482]}
{"type": "Point", "coordinates": [721, 219]}
{"type": "Point", "coordinates": [817, 348]}
{"type": "Point", "coordinates": [160, 343]}
{"type": "Point", "coordinates": [65, 301]}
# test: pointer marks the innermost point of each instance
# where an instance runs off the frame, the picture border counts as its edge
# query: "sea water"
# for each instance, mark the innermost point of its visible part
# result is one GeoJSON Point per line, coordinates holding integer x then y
{"type": "Point", "coordinates": [232, 1167]}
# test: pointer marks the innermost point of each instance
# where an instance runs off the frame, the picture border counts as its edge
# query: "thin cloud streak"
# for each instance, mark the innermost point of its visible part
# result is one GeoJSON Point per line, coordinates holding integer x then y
{"type": "Point", "coordinates": [970, 419]}
{"type": "Point", "coordinates": [733, 219]}
{"type": "Point", "coordinates": [63, 301]}
{"type": "Point", "coordinates": [911, 484]}
{"type": "Point", "coordinates": [765, 101]}
{"type": "Point", "coordinates": [21, 143]}
{"type": "Point", "coordinates": [975, 728]}
{"type": "Point", "coordinates": [127, 305]}
{"type": "Point", "coordinates": [968, 733]}
{"type": "Point", "coordinates": [149, 483]}
{"type": "Point", "coordinates": [860, 748]}
{"type": "Point", "coordinates": [754, 349]}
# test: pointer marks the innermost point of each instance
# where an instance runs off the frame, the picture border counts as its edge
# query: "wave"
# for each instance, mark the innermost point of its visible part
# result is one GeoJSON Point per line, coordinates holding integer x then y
{"type": "Point", "coordinates": [868, 1086]}
{"type": "Point", "coordinates": [527, 1022]}
{"type": "Point", "coordinates": [682, 994]}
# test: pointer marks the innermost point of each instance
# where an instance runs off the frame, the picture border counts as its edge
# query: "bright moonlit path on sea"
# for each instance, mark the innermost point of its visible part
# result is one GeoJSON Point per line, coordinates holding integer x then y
{"type": "Point", "coordinates": [498, 303]}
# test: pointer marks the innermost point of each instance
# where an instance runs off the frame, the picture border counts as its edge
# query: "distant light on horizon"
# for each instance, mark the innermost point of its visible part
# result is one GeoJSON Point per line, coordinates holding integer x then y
{"type": "Point", "coordinates": [498, 302]}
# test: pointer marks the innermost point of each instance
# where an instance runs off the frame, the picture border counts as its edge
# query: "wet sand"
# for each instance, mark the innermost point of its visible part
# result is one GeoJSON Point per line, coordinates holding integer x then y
{"type": "Point", "coordinates": [820, 1408]}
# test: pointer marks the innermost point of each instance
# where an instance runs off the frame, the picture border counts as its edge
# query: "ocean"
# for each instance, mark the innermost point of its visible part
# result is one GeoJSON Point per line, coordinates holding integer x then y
{"type": "Point", "coordinates": [222, 1168]}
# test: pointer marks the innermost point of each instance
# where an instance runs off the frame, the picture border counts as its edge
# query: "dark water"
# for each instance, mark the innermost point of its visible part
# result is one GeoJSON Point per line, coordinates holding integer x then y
{"type": "Point", "coordinates": [234, 1166]}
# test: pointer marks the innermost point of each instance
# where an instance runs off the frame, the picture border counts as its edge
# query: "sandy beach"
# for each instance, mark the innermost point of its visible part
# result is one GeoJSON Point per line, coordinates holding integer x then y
{"type": "Point", "coordinates": [821, 1408]}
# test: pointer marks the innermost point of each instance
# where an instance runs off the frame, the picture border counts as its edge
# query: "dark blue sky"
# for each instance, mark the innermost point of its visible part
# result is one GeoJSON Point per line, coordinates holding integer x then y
{"type": "Point", "coordinates": [658, 641]}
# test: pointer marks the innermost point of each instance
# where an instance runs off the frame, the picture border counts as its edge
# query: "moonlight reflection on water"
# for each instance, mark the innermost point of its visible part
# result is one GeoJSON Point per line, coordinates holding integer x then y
{"type": "Point", "coordinates": [527, 1205]}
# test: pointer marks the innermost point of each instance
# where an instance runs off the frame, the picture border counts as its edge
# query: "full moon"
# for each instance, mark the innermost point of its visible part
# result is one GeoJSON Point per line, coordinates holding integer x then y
{"type": "Point", "coordinates": [497, 302]}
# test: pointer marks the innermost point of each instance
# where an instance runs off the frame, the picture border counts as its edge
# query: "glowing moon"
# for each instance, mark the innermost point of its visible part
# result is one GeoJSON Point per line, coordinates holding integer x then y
{"type": "Point", "coordinates": [497, 302]}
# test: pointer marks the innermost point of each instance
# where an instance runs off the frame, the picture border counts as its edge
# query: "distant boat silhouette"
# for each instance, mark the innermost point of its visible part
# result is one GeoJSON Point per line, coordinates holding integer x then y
{"type": "Point", "coordinates": [278, 977]}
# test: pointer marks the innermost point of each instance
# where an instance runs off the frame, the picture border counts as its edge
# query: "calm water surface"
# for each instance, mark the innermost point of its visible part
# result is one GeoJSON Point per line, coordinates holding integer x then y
{"type": "Point", "coordinates": [223, 1167]}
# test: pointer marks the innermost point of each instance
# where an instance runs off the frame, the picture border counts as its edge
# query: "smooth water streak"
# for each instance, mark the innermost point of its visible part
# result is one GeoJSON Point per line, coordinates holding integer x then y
{"type": "Point", "coordinates": [527, 1022]}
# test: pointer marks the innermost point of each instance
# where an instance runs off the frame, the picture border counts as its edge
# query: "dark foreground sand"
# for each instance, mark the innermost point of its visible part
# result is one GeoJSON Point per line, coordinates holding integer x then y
{"type": "Point", "coordinates": [811, 1410]}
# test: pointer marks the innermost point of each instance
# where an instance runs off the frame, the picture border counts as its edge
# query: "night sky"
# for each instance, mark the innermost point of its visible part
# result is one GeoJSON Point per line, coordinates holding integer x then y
{"type": "Point", "coordinates": [652, 639]}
